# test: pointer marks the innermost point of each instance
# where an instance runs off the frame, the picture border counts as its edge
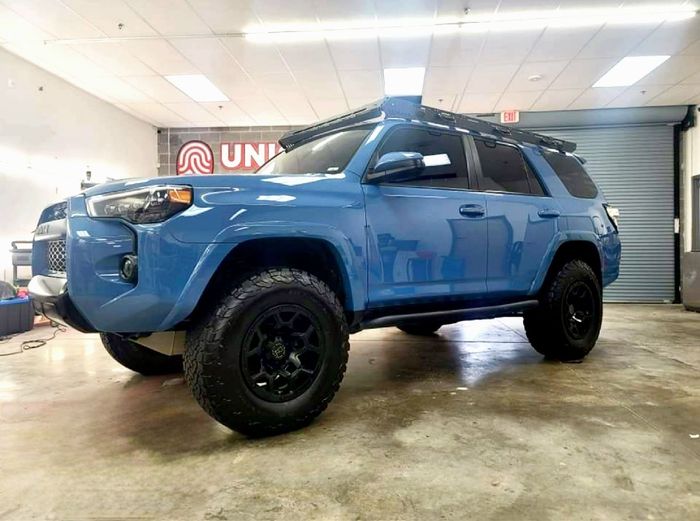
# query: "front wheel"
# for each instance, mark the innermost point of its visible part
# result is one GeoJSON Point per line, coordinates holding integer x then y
{"type": "Point", "coordinates": [567, 322]}
{"type": "Point", "coordinates": [270, 356]}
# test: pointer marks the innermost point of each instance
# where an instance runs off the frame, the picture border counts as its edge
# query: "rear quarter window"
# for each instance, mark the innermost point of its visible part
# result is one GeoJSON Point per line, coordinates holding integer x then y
{"type": "Point", "coordinates": [572, 175]}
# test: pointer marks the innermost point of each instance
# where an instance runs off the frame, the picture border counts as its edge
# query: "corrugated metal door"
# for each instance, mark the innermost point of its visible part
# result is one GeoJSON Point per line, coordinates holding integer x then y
{"type": "Point", "coordinates": [634, 168]}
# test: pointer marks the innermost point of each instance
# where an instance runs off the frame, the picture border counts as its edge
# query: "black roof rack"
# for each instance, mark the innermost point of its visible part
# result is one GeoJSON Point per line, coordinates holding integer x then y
{"type": "Point", "coordinates": [398, 108]}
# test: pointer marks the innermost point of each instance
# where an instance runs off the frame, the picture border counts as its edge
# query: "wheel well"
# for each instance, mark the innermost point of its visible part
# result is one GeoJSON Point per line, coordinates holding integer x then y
{"type": "Point", "coordinates": [577, 250]}
{"type": "Point", "coordinates": [314, 256]}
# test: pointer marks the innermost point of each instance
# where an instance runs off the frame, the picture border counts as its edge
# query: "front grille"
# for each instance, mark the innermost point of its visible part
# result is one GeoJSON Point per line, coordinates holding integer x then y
{"type": "Point", "coordinates": [57, 256]}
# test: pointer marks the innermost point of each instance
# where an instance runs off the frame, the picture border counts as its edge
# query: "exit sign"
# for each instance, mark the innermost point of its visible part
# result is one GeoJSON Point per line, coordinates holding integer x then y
{"type": "Point", "coordinates": [510, 116]}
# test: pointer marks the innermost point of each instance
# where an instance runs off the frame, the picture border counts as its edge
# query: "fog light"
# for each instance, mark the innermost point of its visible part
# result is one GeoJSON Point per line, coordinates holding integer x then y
{"type": "Point", "coordinates": [129, 268]}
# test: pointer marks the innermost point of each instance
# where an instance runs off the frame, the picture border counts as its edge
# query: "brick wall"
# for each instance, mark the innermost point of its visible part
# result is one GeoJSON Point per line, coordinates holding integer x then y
{"type": "Point", "coordinates": [170, 140]}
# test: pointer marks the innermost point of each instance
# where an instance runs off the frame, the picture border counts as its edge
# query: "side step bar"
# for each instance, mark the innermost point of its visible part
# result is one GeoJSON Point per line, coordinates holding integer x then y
{"type": "Point", "coordinates": [452, 315]}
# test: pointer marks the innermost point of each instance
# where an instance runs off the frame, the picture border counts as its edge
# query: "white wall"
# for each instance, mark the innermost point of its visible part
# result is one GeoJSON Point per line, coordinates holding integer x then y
{"type": "Point", "coordinates": [51, 133]}
{"type": "Point", "coordinates": [690, 166]}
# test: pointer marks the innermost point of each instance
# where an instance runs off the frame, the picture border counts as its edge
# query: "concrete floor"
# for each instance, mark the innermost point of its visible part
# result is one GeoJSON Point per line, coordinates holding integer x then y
{"type": "Point", "coordinates": [468, 424]}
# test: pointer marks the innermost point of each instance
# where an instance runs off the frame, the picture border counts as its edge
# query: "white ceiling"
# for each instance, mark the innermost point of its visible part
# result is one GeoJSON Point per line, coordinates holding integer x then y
{"type": "Point", "coordinates": [297, 83]}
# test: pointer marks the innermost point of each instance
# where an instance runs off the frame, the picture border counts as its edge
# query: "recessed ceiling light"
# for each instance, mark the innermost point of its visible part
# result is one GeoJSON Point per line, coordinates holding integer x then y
{"type": "Point", "coordinates": [630, 70]}
{"type": "Point", "coordinates": [534, 77]}
{"type": "Point", "coordinates": [407, 81]}
{"type": "Point", "coordinates": [198, 87]}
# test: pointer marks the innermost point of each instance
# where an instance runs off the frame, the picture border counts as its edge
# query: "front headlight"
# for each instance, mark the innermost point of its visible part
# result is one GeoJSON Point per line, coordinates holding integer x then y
{"type": "Point", "coordinates": [152, 204]}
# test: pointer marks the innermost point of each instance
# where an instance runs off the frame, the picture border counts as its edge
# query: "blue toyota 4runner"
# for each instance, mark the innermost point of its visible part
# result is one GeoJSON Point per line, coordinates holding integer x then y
{"type": "Point", "coordinates": [392, 215]}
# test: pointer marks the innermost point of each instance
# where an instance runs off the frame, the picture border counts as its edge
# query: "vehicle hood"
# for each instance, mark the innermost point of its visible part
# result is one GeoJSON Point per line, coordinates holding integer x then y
{"type": "Point", "coordinates": [263, 183]}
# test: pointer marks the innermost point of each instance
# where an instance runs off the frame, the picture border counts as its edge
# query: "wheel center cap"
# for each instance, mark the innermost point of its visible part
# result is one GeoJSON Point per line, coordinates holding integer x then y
{"type": "Point", "coordinates": [277, 348]}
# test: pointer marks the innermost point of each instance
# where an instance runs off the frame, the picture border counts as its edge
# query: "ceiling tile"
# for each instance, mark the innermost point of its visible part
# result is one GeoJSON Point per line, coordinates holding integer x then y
{"type": "Point", "coordinates": [456, 50]}
{"type": "Point", "coordinates": [491, 77]}
{"type": "Point", "coordinates": [53, 17]}
{"type": "Point", "coordinates": [207, 54]}
{"type": "Point", "coordinates": [405, 52]}
{"type": "Point", "coordinates": [320, 84]}
{"type": "Point", "coordinates": [693, 49]}
{"type": "Point", "coordinates": [229, 114]}
{"type": "Point", "coordinates": [326, 108]}
{"type": "Point", "coordinates": [234, 83]}
{"type": "Point", "coordinates": [615, 41]}
{"type": "Point", "coordinates": [255, 58]}
{"type": "Point", "coordinates": [362, 84]}
{"type": "Point", "coordinates": [670, 38]}
{"type": "Point", "coordinates": [281, 13]}
{"type": "Point", "coordinates": [406, 8]}
{"type": "Point", "coordinates": [61, 60]}
{"type": "Point", "coordinates": [561, 43]}
{"type": "Point", "coordinates": [115, 89]}
{"type": "Point", "coordinates": [160, 56]}
{"type": "Point", "coordinates": [156, 113]}
{"type": "Point", "coordinates": [296, 110]}
{"type": "Point", "coordinates": [332, 12]}
{"type": "Point", "coordinates": [547, 70]}
{"type": "Point", "coordinates": [170, 17]}
{"type": "Point", "coordinates": [556, 99]}
{"type": "Point", "coordinates": [517, 100]}
{"type": "Point", "coordinates": [478, 102]}
{"type": "Point", "coordinates": [277, 84]}
{"type": "Point", "coordinates": [107, 16]}
{"type": "Point", "coordinates": [582, 73]}
{"type": "Point", "coordinates": [695, 78]}
{"type": "Point", "coordinates": [157, 88]}
{"type": "Point", "coordinates": [446, 79]}
{"type": "Point", "coordinates": [596, 98]}
{"type": "Point", "coordinates": [676, 95]}
{"type": "Point", "coordinates": [637, 96]}
{"type": "Point", "coordinates": [14, 28]}
{"type": "Point", "coordinates": [440, 101]}
{"type": "Point", "coordinates": [355, 54]}
{"type": "Point", "coordinates": [511, 47]}
{"type": "Point", "coordinates": [673, 70]}
{"type": "Point", "coordinates": [262, 110]}
{"type": "Point", "coordinates": [306, 56]}
{"type": "Point", "coordinates": [193, 113]}
{"type": "Point", "coordinates": [113, 57]}
{"type": "Point", "coordinates": [225, 16]}
{"type": "Point", "coordinates": [455, 8]}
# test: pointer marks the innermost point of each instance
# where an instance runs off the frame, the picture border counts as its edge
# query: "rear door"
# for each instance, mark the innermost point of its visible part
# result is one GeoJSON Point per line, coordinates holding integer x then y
{"type": "Point", "coordinates": [522, 218]}
{"type": "Point", "coordinates": [426, 235]}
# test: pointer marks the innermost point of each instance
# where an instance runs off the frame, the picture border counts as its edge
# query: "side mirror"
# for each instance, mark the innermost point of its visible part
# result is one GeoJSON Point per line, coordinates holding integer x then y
{"type": "Point", "coordinates": [396, 166]}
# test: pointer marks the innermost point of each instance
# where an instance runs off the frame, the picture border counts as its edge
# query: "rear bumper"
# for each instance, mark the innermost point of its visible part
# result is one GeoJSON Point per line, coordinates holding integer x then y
{"type": "Point", "coordinates": [51, 299]}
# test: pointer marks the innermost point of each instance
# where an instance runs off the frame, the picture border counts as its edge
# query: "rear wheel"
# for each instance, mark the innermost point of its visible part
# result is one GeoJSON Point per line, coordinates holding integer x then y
{"type": "Point", "coordinates": [420, 328]}
{"type": "Point", "coordinates": [140, 358]}
{"type": "Point", "coordinates": [270, 356]}
{"type": "Point", "coordinates": [567, 322]}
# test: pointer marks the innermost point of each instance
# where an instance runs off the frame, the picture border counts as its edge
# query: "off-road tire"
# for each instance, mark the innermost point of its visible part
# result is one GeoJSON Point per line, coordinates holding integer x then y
{"type": "Point", "coordinates": [140, 358]}
{"type": "Point", "coordinates": [420, 328]}
{"type": "Point", "coordinates": [213, 360]}
{"type": "Point", "coordinates": [546, 325]}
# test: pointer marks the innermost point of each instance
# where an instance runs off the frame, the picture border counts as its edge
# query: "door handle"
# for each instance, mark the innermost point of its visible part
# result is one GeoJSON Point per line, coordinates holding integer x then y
{"type": "Point", "coordinates": [472, 210]}
{"type": "Point", "coordinates": [548, 212]}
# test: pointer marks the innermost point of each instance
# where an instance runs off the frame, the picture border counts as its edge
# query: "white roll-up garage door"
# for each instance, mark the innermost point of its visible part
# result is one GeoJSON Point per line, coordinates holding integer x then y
{"type": "Point", "coordinates": [633, 165]}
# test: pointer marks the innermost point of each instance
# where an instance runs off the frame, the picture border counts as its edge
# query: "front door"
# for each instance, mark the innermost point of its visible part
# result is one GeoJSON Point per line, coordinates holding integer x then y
{"type": "Point", "coordinates": [426, 235]}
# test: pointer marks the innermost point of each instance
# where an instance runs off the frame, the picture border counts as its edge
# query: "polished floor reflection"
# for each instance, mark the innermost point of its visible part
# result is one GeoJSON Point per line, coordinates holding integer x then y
{"type": "Point", "coordinates": [469, 424]}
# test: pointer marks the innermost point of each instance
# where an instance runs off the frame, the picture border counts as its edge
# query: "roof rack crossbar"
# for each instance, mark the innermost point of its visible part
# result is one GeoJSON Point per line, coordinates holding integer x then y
{"type": "Point", "coordinates": [397, 108]}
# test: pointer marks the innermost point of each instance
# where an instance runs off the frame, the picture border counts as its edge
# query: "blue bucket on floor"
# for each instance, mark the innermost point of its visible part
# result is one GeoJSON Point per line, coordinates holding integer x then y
{"type": "Point", "coordinates": [16, 315]}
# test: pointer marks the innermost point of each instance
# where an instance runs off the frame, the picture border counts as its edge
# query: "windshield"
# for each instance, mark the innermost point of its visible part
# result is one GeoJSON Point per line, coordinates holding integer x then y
{"type": "Point", "coordinates": [324, 155]}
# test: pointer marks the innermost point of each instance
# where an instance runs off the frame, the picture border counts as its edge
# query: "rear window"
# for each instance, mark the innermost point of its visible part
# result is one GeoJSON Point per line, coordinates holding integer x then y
{"type": "Point", "coordinates": [572, 175]}
{"type": "Point", "coordinates": [504, 169]}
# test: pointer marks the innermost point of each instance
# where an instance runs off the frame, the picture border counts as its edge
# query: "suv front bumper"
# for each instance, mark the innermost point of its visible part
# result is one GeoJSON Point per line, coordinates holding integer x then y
{"type": "Point", "coordinates": [51, 299]}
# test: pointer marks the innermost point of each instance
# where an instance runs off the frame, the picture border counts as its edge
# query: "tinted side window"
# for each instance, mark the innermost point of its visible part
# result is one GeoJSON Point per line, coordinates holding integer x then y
{"type": "Point", "coordinates": [504, 169]}
{"type": "Point", "coordinates": [446, 165]}
{"type": "Point", "coordinates": [572, 174]}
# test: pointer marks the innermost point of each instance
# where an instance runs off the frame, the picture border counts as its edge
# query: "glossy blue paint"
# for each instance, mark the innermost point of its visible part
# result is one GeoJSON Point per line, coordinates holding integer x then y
{"type": "Point", "coordinates": [394, 244]}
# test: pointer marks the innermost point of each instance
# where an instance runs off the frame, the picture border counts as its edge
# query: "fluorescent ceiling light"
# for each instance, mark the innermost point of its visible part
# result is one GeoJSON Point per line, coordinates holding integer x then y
{"type": "Point", "coordinates": [497, 22]}
{"type": "Point", "coordinates": [406, 81]}
{"type": "Point", "coordinates": [198, 87]}
{"type": "Point", "coordinates": [630, 70]}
